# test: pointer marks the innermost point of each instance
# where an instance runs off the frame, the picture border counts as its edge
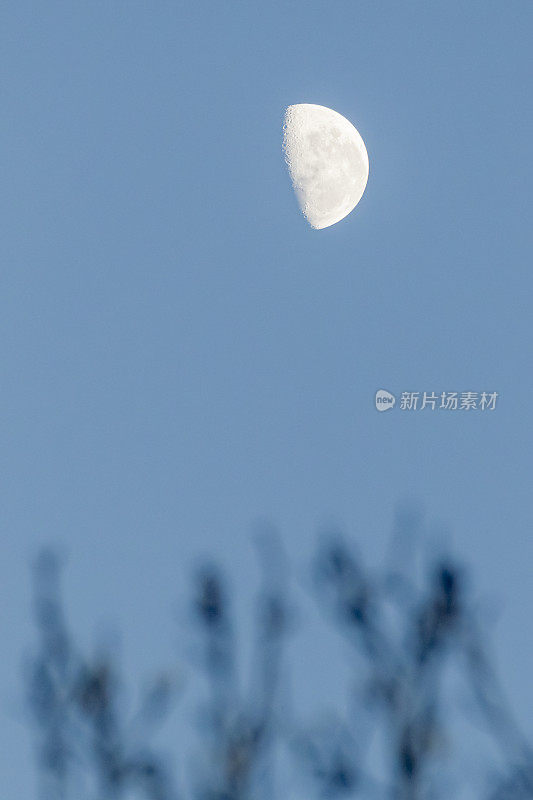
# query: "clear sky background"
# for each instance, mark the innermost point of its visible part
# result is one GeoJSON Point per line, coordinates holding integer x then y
{"type": "Point", "coordinates": [182, 355]}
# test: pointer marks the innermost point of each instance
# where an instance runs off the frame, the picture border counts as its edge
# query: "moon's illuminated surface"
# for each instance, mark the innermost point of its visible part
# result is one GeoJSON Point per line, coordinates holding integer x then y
{"type": "Point", "coordinates": [327, 161]}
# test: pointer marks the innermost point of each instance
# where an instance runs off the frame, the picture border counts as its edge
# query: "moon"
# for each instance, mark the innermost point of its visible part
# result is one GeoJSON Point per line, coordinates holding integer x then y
{"type": "Point", "coordinates": [327, 162]}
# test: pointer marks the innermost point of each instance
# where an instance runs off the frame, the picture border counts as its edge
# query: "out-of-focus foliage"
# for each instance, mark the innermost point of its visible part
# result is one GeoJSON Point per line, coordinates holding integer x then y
{"type": "Point", "coordinates": [241, 731]}
{"type": "Point", "coordinates": [86, 748]}
{"type": "Point", "coordinates": [417, 652]}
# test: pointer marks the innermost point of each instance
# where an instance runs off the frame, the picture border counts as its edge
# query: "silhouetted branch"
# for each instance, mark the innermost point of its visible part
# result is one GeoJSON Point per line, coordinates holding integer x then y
{"type": "Point", "coordinates": [242, 730]}
{"type": "Point", "coordinates": [408, 635]}
{"type": "Point", "coordinates": [84, 741]}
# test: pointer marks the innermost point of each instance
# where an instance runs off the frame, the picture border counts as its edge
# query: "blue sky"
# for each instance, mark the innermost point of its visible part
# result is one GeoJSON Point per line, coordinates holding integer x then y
{"type": "Point", "coordinates": [182, 355]}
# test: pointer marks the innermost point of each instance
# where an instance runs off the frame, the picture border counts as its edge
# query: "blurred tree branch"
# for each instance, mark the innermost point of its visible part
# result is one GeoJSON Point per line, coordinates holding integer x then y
{"type": "Point", "coordinates": [393, 739]}
{"type": "Point", "coordinates": [86, 747]}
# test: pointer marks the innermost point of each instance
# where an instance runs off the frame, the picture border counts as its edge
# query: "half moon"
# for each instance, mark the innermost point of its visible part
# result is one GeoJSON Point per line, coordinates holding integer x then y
{"type": "Point", "coordinates": [327, 162]}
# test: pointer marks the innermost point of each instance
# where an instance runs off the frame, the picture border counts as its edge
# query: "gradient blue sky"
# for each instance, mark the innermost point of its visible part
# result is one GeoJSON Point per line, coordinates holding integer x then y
{"type": "Point", "coordinates": [182, 355]}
